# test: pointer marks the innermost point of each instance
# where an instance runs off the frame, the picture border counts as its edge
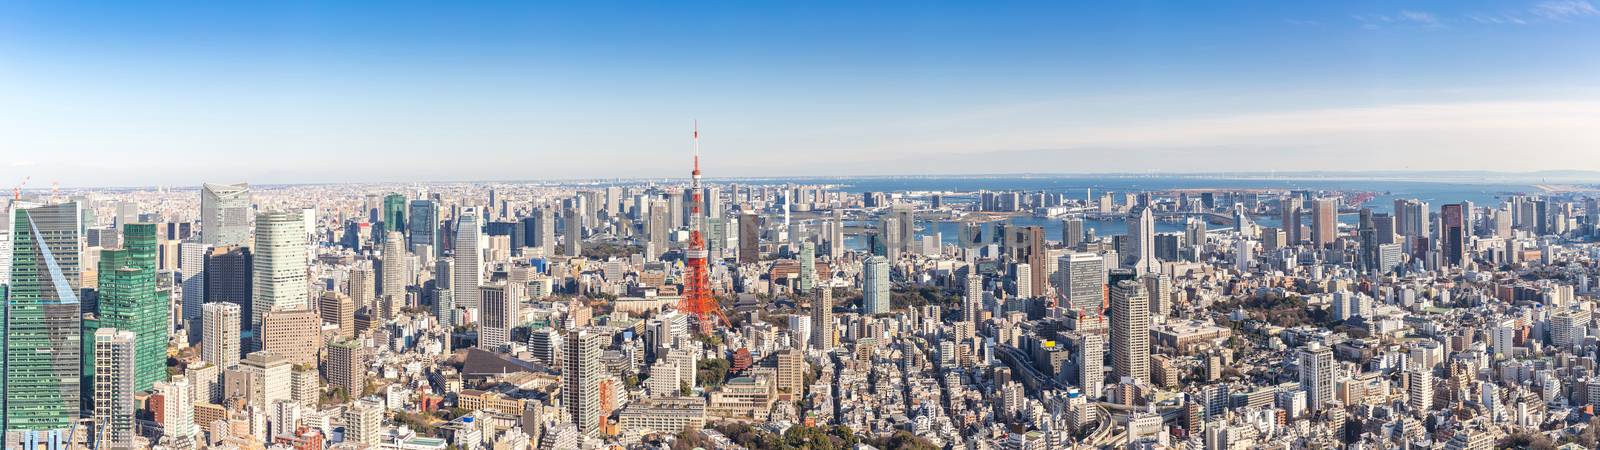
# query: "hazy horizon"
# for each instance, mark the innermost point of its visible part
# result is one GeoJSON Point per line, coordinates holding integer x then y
{"type": "Point", "coordinates": [146, 94]}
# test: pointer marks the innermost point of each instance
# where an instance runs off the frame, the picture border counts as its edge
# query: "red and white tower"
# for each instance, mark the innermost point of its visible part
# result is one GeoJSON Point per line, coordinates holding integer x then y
{"type": "Point", "coordinates": [697, 299]}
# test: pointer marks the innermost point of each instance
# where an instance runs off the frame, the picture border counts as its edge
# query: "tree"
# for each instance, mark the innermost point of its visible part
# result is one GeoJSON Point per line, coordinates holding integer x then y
{"type": "Point", "coordinates": [711, 372]}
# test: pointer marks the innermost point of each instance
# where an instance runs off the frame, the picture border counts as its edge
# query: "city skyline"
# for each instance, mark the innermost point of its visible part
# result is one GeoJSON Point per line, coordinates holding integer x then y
{"type": "Point", "coordinates": [163, 93]}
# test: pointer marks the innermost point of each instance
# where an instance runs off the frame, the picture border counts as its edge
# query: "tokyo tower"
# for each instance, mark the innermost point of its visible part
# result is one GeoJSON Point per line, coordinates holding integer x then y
{"type": "Point", "coordinates": [697, 298]}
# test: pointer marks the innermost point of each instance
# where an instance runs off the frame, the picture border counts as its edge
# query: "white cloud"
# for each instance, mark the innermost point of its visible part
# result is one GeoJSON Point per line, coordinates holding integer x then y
{"type": "Point", "coordinates": [1419, 17]}
{"type": "Point", "coordinates": [1534, 135]}
{"type": "Point", "coordinates": [1565, 9]}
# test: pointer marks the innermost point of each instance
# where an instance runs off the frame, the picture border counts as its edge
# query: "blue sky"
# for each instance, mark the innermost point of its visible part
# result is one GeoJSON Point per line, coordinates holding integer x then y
{"type": "Point", "coordinates": [140, 93]}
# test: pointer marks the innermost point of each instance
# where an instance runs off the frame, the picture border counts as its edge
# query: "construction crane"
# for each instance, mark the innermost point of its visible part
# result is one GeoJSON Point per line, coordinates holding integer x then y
{"type": "Point", "coordinates": [16, 192]}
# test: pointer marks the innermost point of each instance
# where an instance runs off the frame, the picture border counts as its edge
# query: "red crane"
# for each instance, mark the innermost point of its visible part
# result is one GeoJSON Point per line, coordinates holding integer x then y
{"type": "Point", "coordinates": [697, 299]}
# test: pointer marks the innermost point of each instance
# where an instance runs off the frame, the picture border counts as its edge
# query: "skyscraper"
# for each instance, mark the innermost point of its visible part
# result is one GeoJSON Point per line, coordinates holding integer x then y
{"type": "Point", "coordinates": [468, 261]}
{"type": "Point", "coordinates": [295, 334]}
{"type": "Point", "coordinates": [1025, 245]}
{"type": "Point", "coordinates": [1142, 236]}
{"type": "Point", "coordinates": [363, 285]}
{"type": "Point", "coordinates": [225, 214]}
{"type": "Point", "coordinates": [889, 237]}
{"type": "Point", "coordinates": [1291, 208]}
{"type": "Point", "coordinates": [1453, 234]}
{"type": "Point", "coordinates": [822, 336]}
{"type": "Point", "coordinates": [501, 310]}
{"type": "Point", "coordinates": [396, 271]}
{"type": "Point", "coordinates": [875, 285]}
{"type": "Point", "coordinates": [337, 309]}
{"type": "Point", "coordinates": [42, 327]}
{"type": "Point", "coordinates": [128, 301]}
{"type": "Point", "coordinates": [1071, 232]}
{"type": "Point", "coordinates": [1316, 374]}
{"type": "Point", "coordinates": [808, 267]}
{"type": "Point", "coordinates": [973, 301]}
{"type": "Point", "coordinates": [906, 218]}
{"type": "Point", "coordinates": [279, 264]}
{"type": "Point", "coordinates": [269, 378]}
{"type": "Point", "coordinates": [394, 215]}
{"type": "Point", "coordinates": [657, 225]}
{"type": "Point", "coordinates": [220, 343]}
{"type": "Point", "coordinates": [192, 278]}
{"type": "Point", "coordinates": [1081, 282]}
{"type": "Point", "coordinates": [346, 370]}
{"type": "Point", "coordinates": [230, 272]}
{"type": "Point", "coordinates": [543, 232]}
{"type": "Point", "coordinates": [113, 387]}
{"type": "Point", "coordinates": [422, 225]}
{"type": "Point", "coordinates": [1411, 218]}
{"type": "Point", "coordinates": [1324, 221]}
{"type": "Point", "coordinates": [574, 233]}
{"type": "Point", "coordinates": [1130, 331]}
{"type": "Point", "coordinates": [580, 378]}
{"type": "Point", "coordinates": [749, 238]}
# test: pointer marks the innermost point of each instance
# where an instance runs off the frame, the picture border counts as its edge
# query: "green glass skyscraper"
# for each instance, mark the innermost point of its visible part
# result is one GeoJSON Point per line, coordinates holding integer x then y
{"type": "Point", "coordinates": [394, 213]}
{"type": "Point", "coordinates": [41, 326]}
{"type": "Point", "coordinates": [129, 301]}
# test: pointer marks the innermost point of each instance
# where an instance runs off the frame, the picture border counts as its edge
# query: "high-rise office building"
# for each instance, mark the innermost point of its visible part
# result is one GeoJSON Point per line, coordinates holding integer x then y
{"type": "Point", "coordinates": [280, 264]}
{"type": "Point", "coordinates": [1411, 218]}
{"type": "Point", "coordinates": [1071, 232]}
{"type": "Point", "coordinates": [230, 272]}
{"type": "Point", "coordinates": [220, 329]}
{"type": "Point", "coordinates": [580, 380]}
{"type": "Point", "coordinates": [1022, 278]}
{"type": "Point", "coordinates": [1081, 282]}
{"type": "Point", "coordinates": [1324, 221]}
{"type": "Point", "coordinates": [542, 232]}
{"type": "Point", "coordinates": [363, 285]}
{"type": "Point", "coordinates": [337, 309]}
{"type": "Point", "coordinates": [225, 214]}
{"type": "Point", "coordinates": [808, 267]}
{"type": "Point", "coordinates": [1130, 331]}
{"type": "Point", "coordinates": [1453, 234]}
{"type": "Point", "coordinates": [42, 327]}
{"type": "Point", "coordinates": [394, 215]}
{"type": "Point", "coordinates": [836, 243]}
{"type": "Point", "coordinates": [1316, 374]}
{"type": "Point", "coordinates": [905, 218]}
{"type": "Point", "coordinates": [656, 227]}
{"type": "Point", "coordinates": [345, 368]}
{"type": "Point", "coordinates": [192, 279]}
{"type": "Point", "coordinates": [889, 238]}
{"type": "Point", "coordinates": [1025, 245]}
{"type": "Point", "coordinates": [875, 286]}
{"type": "Point", "coordinates": [749, 238]}
{"type": "Point", "coordinates": [295, 334]}
{"type": "Point", "coordinates": [574, 233]}
{"type": "Point", "coordinates": [1142, 239]}
{"type": "Point", "coordinates": [422, 226]}
{"type": "Point", "coordinates": [269, 378]}
{"type": "Point", "coordinates": [822, 335]}
{"type": "Point", "coordinates": [129, 302]}
{"type": "Point", "coordinates": [500, 310]}
{"type": "Point", "coordinates": [468, 260]}
{"type": "Point", "coordinates": [113, 388]}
